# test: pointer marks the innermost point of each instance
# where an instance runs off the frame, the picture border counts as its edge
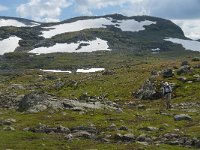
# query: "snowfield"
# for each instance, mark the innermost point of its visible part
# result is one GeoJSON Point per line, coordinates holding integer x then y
{"type": "Point", "coordinates": [94, 45]}
{"type": "Point", "coordinates": [90, 70]}
{"type": "Point", "coordinates": [9, 44]}
{"type": "Point", "coordinates": [125, 25]}
{"type": "Point", "coordinates": [187, 44]}
{"type": "Point", "coordinates": [56, 71]}
{"type": "Point", "coordinates": [15, 23]}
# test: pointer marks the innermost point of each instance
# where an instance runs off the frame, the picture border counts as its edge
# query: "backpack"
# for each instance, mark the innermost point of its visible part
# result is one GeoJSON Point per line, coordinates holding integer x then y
{"type": "Point", "coordinates": [167, 89]}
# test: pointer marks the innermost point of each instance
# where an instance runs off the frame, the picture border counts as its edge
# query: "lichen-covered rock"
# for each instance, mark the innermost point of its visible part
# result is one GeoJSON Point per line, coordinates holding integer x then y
{"type": "Point", "coordinates": [147, 92]}
{"type": "Point", "coordinates": [38, 101]}
{"type": "Point", "coordinates": [182, 117]}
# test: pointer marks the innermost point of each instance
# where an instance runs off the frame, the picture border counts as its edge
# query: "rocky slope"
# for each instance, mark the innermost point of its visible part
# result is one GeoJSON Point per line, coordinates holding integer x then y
{"type": "Point", "coordinates": [113, 31]}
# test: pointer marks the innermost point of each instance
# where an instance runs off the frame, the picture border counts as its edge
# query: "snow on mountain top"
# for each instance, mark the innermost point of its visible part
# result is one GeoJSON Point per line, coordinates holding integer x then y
{"type": "Point", "coordinates": [89, 46]}
{"type": "Point", "coordinates": [187, 44]}
{"type": "Point", "coordinates": [15, 23]}
{"type": "Point", "coordinates": [9, 44]}
{"type": "Point", "coordinates": [125, 25]}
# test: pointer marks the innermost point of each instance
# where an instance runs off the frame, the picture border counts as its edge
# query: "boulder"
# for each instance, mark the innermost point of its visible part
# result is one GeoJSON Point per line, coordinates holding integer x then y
{"type": "Point", "coordinates": [182, 117]}
{"type": "Point", "coordinates": [184, 63]}
{"type": "Point", "coordinates": [183, 79]}
{"type": "Point", "coordinates": [39, 101]}
{"type": "Point", "coordinates": [167, 73]}
{"type": "Point", "coordinates": [147, 92]}
{"type": "Point", "coordinates": [108, 72]}
{"type": "Point", "coordinates": [184, 70]}
{"type": "Point", "coordinates": [149, 129]}
{"type": "Point", "coordinates": [125, 138]}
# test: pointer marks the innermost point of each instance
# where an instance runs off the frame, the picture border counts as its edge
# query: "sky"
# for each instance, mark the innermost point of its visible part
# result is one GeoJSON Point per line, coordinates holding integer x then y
{"type": "Point", "coordinates": [185, 13]}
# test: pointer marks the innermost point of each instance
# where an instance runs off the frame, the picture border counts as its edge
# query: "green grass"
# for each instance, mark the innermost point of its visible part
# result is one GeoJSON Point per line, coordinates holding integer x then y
{"type": "Point", "coordinates": [130, 73]}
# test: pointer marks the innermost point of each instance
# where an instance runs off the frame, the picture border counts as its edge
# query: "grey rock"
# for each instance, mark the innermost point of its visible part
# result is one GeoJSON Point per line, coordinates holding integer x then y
{"type": "Point", "coordinates": [141, 138]}
{"type": "Point", "coordinates": [184, 70]}
{"type": "Point", "coordinates": [84, 128]}
{"type": "Point", "coordinates": [182, 117]}
{"type": "Point", "coordinates": [149, 129]}
{"type": "Point", "coordinates": [183, 79]}
{"type": "Point", "coordinates": [147, 92]}
{"type": "Point", "coordinates": [8, 128]}
{"type": "Point", "coordinates": [7, 121]}
{"type": "Point", "coordinates": [126, 137]}
{"type": "Point", "coordinates": [124, 128]}
{"type": "Point", "coordinates": [168, 73]}
{"type": "Point", "coordinates": [171, 135]}
{"type": "Point", "coordinates": [108, 72]}
{"type": "Point", "coordinates": [39, 101]}
{"type": "Point", "coordinates": [82, 134]}
{"type": "Point", "coordinates": [184, 63]}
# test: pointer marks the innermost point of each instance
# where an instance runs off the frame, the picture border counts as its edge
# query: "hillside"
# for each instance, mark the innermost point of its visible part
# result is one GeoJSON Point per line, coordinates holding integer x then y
{"type": "Point", "coordinates": [82, 84]}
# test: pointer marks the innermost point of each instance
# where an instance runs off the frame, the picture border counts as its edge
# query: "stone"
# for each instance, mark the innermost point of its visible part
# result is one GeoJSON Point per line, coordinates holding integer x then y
{"type": "Point", "coordinates": [183, 79]}
{"type": "Point", "coordinates": [184, 70]}
{"type": "Point", "coordinates": [182, 117]}
{"type": "Point", "coordinates": [124, 128]}
{"type": "Point", "coordinates": [85, 128]}
{"type": "Point", "coordinates": [184, 63]}
{"type": "Point", "coordinates": [113, 127]}
{"type": "Point", "coordinates": [147, 92]}
{"type": "Point", "coordinates": [171, 135]}
{"type": "Point", "coordinates": [8, 128]}
{"type": "Point", "coordinates": [141, 138]}
{"type": "Point", "coordinates": [126, 137]}
{"type": "Point", "coordinates": [39, 101]}
{"type": "Point", "coordinates": [108, 72]}
{"type": "Point", "coordinates": [167, 73]}
{"type": "Point", "coordinates": [149, 129]}
{"type": "Point", "coordinates": [8, 121]}
{"type": "Point", "coordinates": [83, 134]}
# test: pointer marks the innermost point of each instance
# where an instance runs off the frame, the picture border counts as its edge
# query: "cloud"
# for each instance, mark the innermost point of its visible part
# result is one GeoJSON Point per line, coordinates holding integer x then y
{"type": "Point", "coordinates": [190, 27]}
{"type": "Point", "coordinates": [3, 8]}
{"type": "Point", "coordinates": [86, 7]}
{"type": "Point", "coordinates": [172, 9]}
{"type": "Point", "coordinates": [43, 10]}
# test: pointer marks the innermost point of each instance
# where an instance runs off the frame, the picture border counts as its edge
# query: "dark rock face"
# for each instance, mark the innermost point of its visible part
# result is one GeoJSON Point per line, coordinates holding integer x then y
{"type": "Point", "coordinates": [168, 73]}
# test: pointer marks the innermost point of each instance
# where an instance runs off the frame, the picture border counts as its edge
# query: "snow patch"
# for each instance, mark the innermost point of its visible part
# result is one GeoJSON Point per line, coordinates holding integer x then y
{"type": "Point", "coordinates": [15, 23]}
{"type": "Point", "coordinates": [187, 44]}
{"type": "Point", "coordinates": [125, 25]}
{"type": "Point", "coordinates": [56, 71]}
{"type": "Point", "coordinates": [90, 70]}
{"type": "Point", "coordinates": [89, 46]}
{"type": "Point", "coordinates": [9, 44]}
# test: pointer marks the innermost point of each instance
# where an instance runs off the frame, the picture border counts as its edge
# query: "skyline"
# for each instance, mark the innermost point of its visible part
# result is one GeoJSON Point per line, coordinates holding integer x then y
{"type": "Point", "coordinates": [185, 13]}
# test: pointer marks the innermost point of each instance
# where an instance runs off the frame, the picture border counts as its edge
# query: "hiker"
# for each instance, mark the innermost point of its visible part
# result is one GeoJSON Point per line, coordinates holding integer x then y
{"type": "Point", "coordinates": [167, 94]}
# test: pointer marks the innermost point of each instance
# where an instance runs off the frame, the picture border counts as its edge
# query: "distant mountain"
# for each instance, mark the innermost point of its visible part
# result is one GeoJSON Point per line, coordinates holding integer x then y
{"type": "Point", "coordinates": [87, 34]}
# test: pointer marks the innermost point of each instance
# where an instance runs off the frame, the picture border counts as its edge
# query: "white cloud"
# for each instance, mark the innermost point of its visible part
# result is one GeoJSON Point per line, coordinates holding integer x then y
{"type": "Point", "coordinates": [3, 8]}
{"type": "Point", "coordinates": [43, 10]}
{"type": "Point", "coordinates": [191, 27]}
{"type": "Point", "coordinates": [86, 7]}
